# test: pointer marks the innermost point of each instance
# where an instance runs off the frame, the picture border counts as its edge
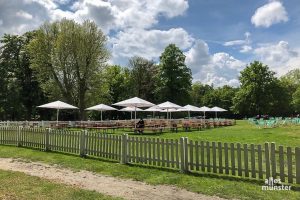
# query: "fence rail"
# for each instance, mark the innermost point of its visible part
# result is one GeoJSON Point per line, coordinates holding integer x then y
{"type": "Point", "coordinates": [244, 160]}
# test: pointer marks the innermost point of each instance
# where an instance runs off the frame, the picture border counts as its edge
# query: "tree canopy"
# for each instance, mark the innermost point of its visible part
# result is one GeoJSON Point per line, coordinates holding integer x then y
{"type": "Point", "coordinates": [174, 78]}
{"type": "Point", "coordinates": [67, 57]}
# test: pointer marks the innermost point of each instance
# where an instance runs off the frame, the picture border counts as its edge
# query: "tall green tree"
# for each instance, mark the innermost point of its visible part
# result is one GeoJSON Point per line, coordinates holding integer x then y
{"type": "Point", "coordinates": [291, 84]}
{"type": "Point", "coordinates": [257, 90]}
{"type": "Point", "coordinates": [200, 93]}
{"type": "Point", "coordinates": [68, 57]}
{"type": "Point", "coordinates": [296, 100]}
{"type": "Point", "coordinates": [20, 91]}
{"type": "Point", "coordinates": [174, 77]}
{"type": "Point", "coordinates": [143, 78]}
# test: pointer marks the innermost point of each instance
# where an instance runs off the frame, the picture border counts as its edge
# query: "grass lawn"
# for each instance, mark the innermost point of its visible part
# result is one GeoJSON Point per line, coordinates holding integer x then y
{"type": "Point", "coordinates": [242, 132]}
{"type": "Point", "coordinates": [226, 187]}
{"type": "Point", "coordinates": [16, 185]}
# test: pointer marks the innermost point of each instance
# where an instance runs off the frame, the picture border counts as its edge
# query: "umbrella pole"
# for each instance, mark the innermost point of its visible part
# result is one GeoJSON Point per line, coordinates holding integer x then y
{"type": "Point", "coordinates": [101, 115]}
{"type": "Point", "coordinates": [131, 115]}
{"type": "Point", "coordinates": [153, 115]}
{"type": "Point", "coordinates": [134, 117]}
{"type": "Point", "coordinates": [216, 115]}
{"type": "Point", "coordinates": [57, 112]}
{"type": "Point", "coordinates": [189, 114]}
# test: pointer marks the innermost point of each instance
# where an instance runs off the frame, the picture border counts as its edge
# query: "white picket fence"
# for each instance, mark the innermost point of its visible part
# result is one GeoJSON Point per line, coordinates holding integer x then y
{"type": "Point", "coordinates": [243, 160]}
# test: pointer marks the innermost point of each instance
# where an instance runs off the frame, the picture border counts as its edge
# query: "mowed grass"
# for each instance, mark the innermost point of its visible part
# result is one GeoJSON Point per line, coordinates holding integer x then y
{"type": "Point", "coordinates": [242, 132]}
{"type": "Point", "coordinates": [226, 187]}
{"type": "Point", "coordinates": [16, 185]}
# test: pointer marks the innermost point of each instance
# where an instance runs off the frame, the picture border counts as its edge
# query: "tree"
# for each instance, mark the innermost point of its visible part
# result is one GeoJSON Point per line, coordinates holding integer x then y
{"type": "Point", "coordinates": [117, 83]}
{"type": "Point", "coordinates": [291, 83]}
{"type": "Point", "coordinates": [174, 77]}
{"type": "Point", "coordinates": [68, 58]}
{"type": "Point", "coordinates": [143, 77]}
{"type": "Point", "coordinates": [20, 90]}
{"type": "Point", "coordinates": [296, 100]}
{"type": "Point", "coordinates": [256, 93]}
{"type": "Point", "coordinates": [199, 93]}
{"type": "Point", "coordinates": [221, 97]}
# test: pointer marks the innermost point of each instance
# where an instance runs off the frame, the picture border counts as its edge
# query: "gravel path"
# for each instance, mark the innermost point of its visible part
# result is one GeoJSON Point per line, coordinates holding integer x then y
{"type": "Point", "coordinates": [127, 189]}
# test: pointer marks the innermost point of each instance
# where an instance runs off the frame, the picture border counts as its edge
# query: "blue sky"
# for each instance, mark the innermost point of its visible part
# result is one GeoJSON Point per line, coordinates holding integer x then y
{"type": "Point", "coordinates": [218, 37]}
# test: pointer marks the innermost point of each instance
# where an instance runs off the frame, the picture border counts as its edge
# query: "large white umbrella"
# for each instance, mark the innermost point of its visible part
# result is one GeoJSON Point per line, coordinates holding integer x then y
{"type": "Point", "coordinates": [217, 109]}
{"type": "Point", "coordinates": [153, 109]}
{"type": "Point", "coordinates": [189, 108]}
{"type": "Point", "coordinates": [204, 109]}
{"type": "Point", "coordinates": [136, 103]}
{"type": "Point", "coordinates": [168, 105]}
{"type": "Point", "coordinates": [58, 105]}
{"type": "Point", "coordinates": [101, 107]}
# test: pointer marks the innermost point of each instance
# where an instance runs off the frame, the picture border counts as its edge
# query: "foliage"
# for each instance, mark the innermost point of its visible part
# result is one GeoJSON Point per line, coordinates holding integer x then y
{"type": "Point", "coordinates": [68, 57]}
{"type": "Point", "coordinates": [174, 77]}
{"type": "Point", "coordinates": [256, 94]}
{"type": "Point", "coordinates": [143, 78]}
{"type": "Point", "coordinates": [199, 93]}
{"type": "Point", "coordinates": [296, 100]}
{"type": "Point", "coordinates": [20, 91]}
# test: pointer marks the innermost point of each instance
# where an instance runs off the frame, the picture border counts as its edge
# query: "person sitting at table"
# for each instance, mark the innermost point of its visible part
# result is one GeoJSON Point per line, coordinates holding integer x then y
{"type": "Point", "coordinates": [140, 125]}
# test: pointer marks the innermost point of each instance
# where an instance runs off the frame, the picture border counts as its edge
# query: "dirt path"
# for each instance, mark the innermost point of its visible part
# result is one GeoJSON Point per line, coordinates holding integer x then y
{"type": "Point", "coordinates": [125, 188]}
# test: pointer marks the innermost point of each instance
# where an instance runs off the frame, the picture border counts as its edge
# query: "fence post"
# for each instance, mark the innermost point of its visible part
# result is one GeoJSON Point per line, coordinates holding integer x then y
{"type": "Point", "coordinates": [297, 156]}
{"type": "Point", "coordinates": [124, 156]}
{"type": "Point", "coordinates": [82, 143]}
{"type": "Point", "coordinates": [183, 155]}
{"type": "Point", "coordinates": [186, 155]}
{"type": "Point", "coordinates": [47, 136]}
{"type": "Point", "coordinates": [19, 142]}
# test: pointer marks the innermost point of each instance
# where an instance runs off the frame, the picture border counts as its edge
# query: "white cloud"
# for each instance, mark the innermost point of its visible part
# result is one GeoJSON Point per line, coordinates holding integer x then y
{"type": "Point", "coordinates": [245, 44]}
{"type": "Point", "coordinates": [218, 69]}
{"type": "Point", "coordinates": [147, 43]}
{"type": "Point", "coordinates": [23, 14]}
{"type": "Point", "coordinates": [280, 57]}
{"type": "Point", "coordinates": [269, 14]}
{"type": "Point", "coordinates": [235, 42]}
{"type": "Point", "coordinates": [246, 49]}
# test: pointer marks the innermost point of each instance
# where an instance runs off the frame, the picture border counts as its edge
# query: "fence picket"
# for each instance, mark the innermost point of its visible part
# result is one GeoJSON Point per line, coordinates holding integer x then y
{"type": "Point", "coordinates": [239, 159]}
{"type": "Point", "coordinates": [253, 172]}
{"type": "Point", "coordinates": [267, 159]}
{"type": "Point", "coordinates": [208, 157]}
{"type": "Point", "coordinates": [197, 155]}
{"type": "Point", "coordinates": [246, 164]}
{"type": "Point", "coordinates": [214, 151]}
{"type": "Point", "coordinates": [232, 158]}
{"type": "Point", "coordinates": [281, 164]}
{"type": "Point", "coordinates": [260, 168]}
{"type": "Point", "coordinates": [220, 155]}
{"type": "Point", "coordinates": [226, 158]}
{"type": "Point", "coordinates": [202, 157]}
{"type": "Point", "coordinates": [290, 164]}
{"type": "Point", "coordinates": [273, 160]}
{"type": "Point", "coordinates": [191, 155]}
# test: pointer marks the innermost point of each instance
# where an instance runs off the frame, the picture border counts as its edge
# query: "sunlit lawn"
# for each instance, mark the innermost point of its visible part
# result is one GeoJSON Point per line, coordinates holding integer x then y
{"type": "Point", "coordinates": [16, 185]}
{"type": "Point", "coordinates": [242, 132]}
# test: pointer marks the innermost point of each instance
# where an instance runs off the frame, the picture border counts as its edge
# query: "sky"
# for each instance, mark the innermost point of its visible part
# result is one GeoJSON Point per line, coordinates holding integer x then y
{"type": "Point", "coordinates": [219, 38]}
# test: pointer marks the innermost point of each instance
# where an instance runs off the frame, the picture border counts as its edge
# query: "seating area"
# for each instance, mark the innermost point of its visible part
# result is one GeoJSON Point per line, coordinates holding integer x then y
{"type": "Point", "coordinates": [274, 122]}
{"type": "Point", "coordinates": [151, 125]}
